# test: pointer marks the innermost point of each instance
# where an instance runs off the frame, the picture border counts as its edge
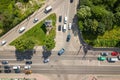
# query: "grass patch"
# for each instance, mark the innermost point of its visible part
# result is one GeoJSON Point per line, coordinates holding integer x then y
{"type": "Point", "coordinates": [38, 33]}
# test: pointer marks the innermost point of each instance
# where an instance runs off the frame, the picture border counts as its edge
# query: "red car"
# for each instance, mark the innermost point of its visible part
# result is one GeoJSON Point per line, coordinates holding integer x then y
{"type": "Point", "coordinates": [114, 53]}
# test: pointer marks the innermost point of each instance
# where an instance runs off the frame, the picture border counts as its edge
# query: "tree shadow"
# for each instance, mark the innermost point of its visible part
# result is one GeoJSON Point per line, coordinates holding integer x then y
{"type": "Point", "coordinates": [43, 27]}
{"type": "Point", "coordinates": [20, 56]}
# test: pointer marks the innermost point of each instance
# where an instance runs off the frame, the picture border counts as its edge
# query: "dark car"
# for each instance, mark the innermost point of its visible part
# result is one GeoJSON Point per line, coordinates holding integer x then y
{"type": "Point", "coordinates": [59, 28]}
{"type": "Point", "coordinates": [7, 71]}
{"type": "Point", "coordinates": [104, 54]}
{"type": "Point", "coordinates": [17, 71]}
{"type": "Point", "coordinates": [61, 51]}
{"type": "Point", "coordinates": [60, 18]}
{"type": "Point", "coordinates": [71, 1]}
{"type": "Point", "coordinates": [28, 62]}
{"type": "Point", "coordinates": [7, 67]}
{"type": "Point", "coordinates": [68, 37]}
{"type": "Point", "coordinates": [4, 62]}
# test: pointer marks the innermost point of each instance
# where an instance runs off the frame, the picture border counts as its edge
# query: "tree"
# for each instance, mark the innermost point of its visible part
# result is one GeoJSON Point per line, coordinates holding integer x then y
{"type": "Point", "coordinates": [23, 45]}
{"type": "Point", "coordinates": [49, 43]}
{"type": "Point", "coordinates": [117, 18]}
{"type": "Point", "coordinates": [100, 28]}
{"type": "Point", "coordinates": [84, 12]}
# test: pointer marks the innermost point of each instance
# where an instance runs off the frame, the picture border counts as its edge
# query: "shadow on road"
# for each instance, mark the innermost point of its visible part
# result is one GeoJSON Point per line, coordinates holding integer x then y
{"type": "Point", "coordinates": [45, 53]}
{"type": "Point", "coordinates": [20, 56]}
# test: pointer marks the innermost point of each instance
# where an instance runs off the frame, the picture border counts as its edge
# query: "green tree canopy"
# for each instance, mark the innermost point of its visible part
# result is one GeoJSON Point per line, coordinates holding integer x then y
{"type": "Point", "coordinates": [84, 12]}
{"type": "Point", "coordinates": [23, 45]}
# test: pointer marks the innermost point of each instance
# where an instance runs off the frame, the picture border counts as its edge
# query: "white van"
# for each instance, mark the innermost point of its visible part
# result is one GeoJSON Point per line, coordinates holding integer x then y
{"type": "Point", "coordinates": [64, 27]}
{"type": "Point", "coordinates": [21, 29]}
{"type": "Point", "coordinates": [65, 20]}
{"type": "Point", "coordinates": [48, 9]}
{"type": "Point", "coordinates": [112, 59]}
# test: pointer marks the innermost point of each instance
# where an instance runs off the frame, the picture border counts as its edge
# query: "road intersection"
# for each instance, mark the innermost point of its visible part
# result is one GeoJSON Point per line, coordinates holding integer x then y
{"type": "Point", "coordinates": [72, 61]}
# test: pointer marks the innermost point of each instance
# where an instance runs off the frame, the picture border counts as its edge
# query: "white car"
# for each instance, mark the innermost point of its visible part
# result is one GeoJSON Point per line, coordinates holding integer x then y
{"type": "Point", "coordinates": [65, 20]}
{"type": "Point", "coordinates": [27, 67]}
{"type": "Point", "coordinates": [21, 29]}
{"type": "Point", "coordinates": [16, 67]}
{"type": "Point", "coordinates": [35, 20]}
{"type": "Point", "coordinates": [70, 26]}
{"type": "Point", "coordinates": [3, 42]}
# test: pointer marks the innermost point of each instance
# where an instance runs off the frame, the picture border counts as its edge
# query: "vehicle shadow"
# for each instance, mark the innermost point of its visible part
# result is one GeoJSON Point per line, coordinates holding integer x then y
{"type": "Point", "coordinates": [45, 53]}
{"type": "Point", "coordinates": [20, 56]}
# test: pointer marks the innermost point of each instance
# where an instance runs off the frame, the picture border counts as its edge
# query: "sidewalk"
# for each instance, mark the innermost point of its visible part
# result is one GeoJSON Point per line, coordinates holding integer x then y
{"type": "Point", "coordinates": [31, 76]}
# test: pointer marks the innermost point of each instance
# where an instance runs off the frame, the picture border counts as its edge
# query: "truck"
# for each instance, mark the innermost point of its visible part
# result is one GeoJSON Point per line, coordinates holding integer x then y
{"type": "Point", "coordinates": [48, 9]}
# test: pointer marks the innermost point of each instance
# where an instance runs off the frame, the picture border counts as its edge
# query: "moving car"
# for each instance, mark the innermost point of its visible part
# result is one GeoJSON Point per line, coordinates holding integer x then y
{"type": "Point", "coordinates": [4, 62]}
{"type": "Point", "coordinates": [46, 60]}
{"type": "Point", "coordinates": [114, 53]}
{"type": "Point", "coordinates": [104, 54]}
{"type": "Point", "coordinates": [28, 62]}
{"type": "Point", "coordinates": [71, 1]}
{"type": "Point", "coordinates": [7, 71]}
{"type": "Point", "coordinates": [35, 20]}
{"type": "Point", "coordinates": [118, 57]}
{"type": "Point", "coordinates": [61, 51]}
{"type": "Point", "coordinates": [16, 67]}
{"type": "Point", "coordinates": [27, 67]}
{"type": "Point", "coordinates": [6, 67]}
{"type": "Point", "coordinates": [112, 59]}
{"type": "Point", "coordinates": [21, 29]}
{"type": "Point", "coordinates": [101, 58]}
{"type": "Point", "coordinates": [28, 71]}
{"type": "Point", "coordinates": [3, 42]}
{"type": "Point", "coordinates": [48, 9]}
{"type": "Point", "coordinates": [68, 37]}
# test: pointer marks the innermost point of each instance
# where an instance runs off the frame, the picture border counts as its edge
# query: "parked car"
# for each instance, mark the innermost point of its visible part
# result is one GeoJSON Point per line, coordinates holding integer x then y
{"type": "Point", "coordinates": [69, 26]}
{"type": "Point", "coordinates": [64, 28]}
{"type": "Point", "coordinates": [101, 58]}
{"type": "Point", "coordinates": [60, 18]}
{"type": "Point", "coordinates": [3, 42]}
{"type": "Point", "coordinates": [61, 51]}
{"type": "Point", "coordinates": [35, 20]}
{"type": "Point", "coordinates": [104, 54]}
{"type": "Point", "coordinates": [59, 28]}
{"type": "Point", "coordinates": [4, 62]}
{"type": "Point", "coordinates": [46, 60]}
{"type": "Point", "coordinates": [114, 53]}
{"type": "Point", "coordinates": [68, 37]}
{"type": "Point", "coordinates": [28, 62]}
{"type": "Point", "coordinates": [112, 59]}
{"type": "Point", "coordinates": [21, 29]}
{"type": "Point", "coordinates": [65, 20]}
